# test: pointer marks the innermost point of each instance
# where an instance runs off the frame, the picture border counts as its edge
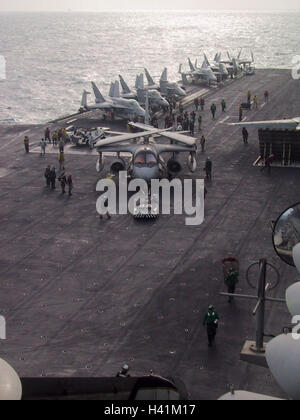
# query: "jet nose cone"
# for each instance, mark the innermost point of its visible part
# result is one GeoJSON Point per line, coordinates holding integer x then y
{"type": "Point", "coordinates": [181, 92]}
{"type": "Point", "coordinates": [142, 112]}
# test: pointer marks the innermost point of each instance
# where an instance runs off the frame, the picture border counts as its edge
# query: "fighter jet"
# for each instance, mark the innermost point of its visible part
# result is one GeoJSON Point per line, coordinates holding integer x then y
{"type": "Point", "coordinates": [146, 154]}
{"type": "Point", "coordinates": [217, 67]}
{"type": "Point", "coordinates": [205, 74]}
{"type": "Point", "coordinates": [286, 124]}
{"type": "Point", "coordinates": [170, 89]}
{"type": "Point", "coordinates": [238, 60]}
{"type": "Point", "coordinates": [139, 93]}
{"type": "Point", "coordinates": [166, 88]}
{"type": "Point", "coordinates": [123, 108]}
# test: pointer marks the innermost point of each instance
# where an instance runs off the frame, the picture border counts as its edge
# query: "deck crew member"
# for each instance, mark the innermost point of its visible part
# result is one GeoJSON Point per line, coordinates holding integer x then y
{"type": "Point", "coordinates": [47, 176]}
{"type": "Point", "coordinates": [255, 101]}
{"type": "Point", "coordinates": [52, 176]}
{"type": "Point", "coordinates": [211, 321]}
{"type": "Point", "coordinates": [223, 104]}
{"type": "Point", "coordinates": [43, 145]}
{"type": "Point", "coordinates": [200, 122]}
{"type": "Point", "coordinates": [70, 184]}
{"type": "Point", "coordinates": [208, 168]}
{"type": "Point", "coordinates": [245, 135]}
{"type": "Point", "coordinates": [26, 144]}
{"type": "Point", "coordinates": [47, 135]}
{"type": "Point", "coordinates": [213, 109]}
{"type": "Point", "coordinates": [231, 280]}
{"type": "Point", "coordinates": [124, 373]}
{"type": "Point", "coordinates": [202, 143]}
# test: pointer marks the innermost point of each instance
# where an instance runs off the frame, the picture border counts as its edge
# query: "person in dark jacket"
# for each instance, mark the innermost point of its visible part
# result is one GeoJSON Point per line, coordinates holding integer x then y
{"type": "Point", "coordinates": [47, 176]}
{"type": "Point", "coordinates": [211, 321]}
{"type": "Point", "coordinates": [208, 168]}
{"type": "Point", "coordinates": [53, 178]}
{"type": "Point", "coordinates": [213, 109]}
{"type": "Point", "coordinates": [70, 184]}
{"type": "Point", "coordinates": [63, 182]}
{"type": "Point", "coordinates": [223, 104]}
{"type": "Point", "coordinates": [245, 135]}
{"type": "Point", "coordinates": [202, 143]}
{"type": "Point", "coordinates": [48, 135]}
{"type": "Point", "coordinates": [231, 280]}
{"type": "Point", "coordinates": [26, 144]}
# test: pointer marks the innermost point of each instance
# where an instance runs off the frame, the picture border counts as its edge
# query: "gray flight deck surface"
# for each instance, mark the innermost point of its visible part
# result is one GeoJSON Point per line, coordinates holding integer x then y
{"type": "Point", "coordinates": [82, 296]}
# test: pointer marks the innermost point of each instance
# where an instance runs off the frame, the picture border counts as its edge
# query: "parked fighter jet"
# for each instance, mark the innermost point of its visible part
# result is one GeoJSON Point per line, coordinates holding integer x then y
{"type": "Point", "coordinates": [238, 60]}
{"type": "Point", "coordinates": [123, 108]}
{"type": "Point", "coordinates": [166, 88]}
{"type": "Point", "coordinates": [287, 124]}
{"type": "Point", "coordinates": [217, 67]}
{"type": "Point", "coordinates": [205, 74]}
{"type": "Point", "coordinates": [147, 162]}
{"type": "Point", "coordinates": [139, 93]}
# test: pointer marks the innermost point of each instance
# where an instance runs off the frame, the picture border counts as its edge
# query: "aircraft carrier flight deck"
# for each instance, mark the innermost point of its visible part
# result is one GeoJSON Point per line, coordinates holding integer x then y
{"type": "Point", "coordinates": [81, 296]}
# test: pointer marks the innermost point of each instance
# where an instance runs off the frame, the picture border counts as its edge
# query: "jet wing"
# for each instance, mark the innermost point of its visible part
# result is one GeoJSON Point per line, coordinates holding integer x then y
{"type": "Point", "coordinates": [290, 124]}
{"type": "Point", "coordinates": [180, 138]}
{"type": "Point", "coordinates": [175, 136]}
{"type": "Point", "coordinates": [141, 126]}
{"type": "Point", "coordinates": [126, 137]}
{"type": "Point", "coordinates": [118, 148]}
{"type": "Point", "coordinates": [172, 148]}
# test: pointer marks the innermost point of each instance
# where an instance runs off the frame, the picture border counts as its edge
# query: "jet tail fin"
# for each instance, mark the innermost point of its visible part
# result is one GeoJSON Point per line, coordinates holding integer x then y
{"type": "Point", "coordinates": [206, 60]}
{"type": "Point", "coordinates": [164, 76]}
{"type": "Point", "coordinates": [111, 90]}
{"type": "Point", "coordinates": [84, 98]}
{"type": "Point", "coordinates": [116, 90]}
{"type": "Point", "coordinates": [204, 65]}
{"type": "Point", "coordinates": [191, 65]}
{"type": "Point", "coordinates": [124, 85]}
{"type": "Point", "coordinates": [185, 81]}
{"type": "Point", "coordinates": [140, 81]}
{"type": "Point", "coordinates": [218, 58]}
{"type": "Point", "coordinates": [98, 95]}
{"type": "Point", "coordinates": [149, 78]}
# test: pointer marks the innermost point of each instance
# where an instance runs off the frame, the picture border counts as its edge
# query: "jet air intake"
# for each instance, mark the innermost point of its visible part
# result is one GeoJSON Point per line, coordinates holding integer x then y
{"type": "Point", "coordinates": [174, 166]}
{"type": "Point", "coordinates": [118, 166]}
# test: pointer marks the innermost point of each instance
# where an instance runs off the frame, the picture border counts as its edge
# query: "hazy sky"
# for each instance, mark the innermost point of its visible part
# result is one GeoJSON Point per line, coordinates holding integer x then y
{"type": "Point", "coordinates": [97, 5]}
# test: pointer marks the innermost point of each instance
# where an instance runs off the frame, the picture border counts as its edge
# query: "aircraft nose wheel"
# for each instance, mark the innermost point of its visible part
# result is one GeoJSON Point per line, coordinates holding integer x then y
{"type": "Point", "coordinates": [272, 275]}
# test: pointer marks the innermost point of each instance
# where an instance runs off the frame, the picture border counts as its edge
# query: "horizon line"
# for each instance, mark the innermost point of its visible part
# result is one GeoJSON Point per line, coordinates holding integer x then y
{"type": "Point", "coordinates": [150, 10]}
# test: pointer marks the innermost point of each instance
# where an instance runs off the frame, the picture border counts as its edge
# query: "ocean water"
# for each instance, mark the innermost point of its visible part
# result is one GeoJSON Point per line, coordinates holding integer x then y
{"type": "Point", "coordinates": [51, 58]}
